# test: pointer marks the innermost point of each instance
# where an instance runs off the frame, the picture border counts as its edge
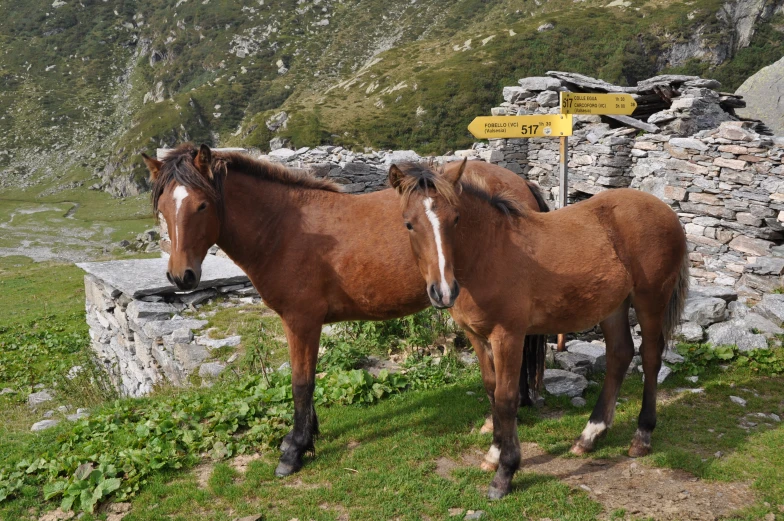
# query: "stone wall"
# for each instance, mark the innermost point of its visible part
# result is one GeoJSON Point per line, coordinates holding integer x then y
{"type": "Point", "coordinates": [143, 333]}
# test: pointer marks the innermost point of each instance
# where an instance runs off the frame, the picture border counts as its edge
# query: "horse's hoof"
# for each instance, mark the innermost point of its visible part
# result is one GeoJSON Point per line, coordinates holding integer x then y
{"type": "Point", "coordinates": [638, 450]}
{"type": "Point", "coordinates": [579, 449]}
{"type": "Point", "coordinates": [488, 467]}
{"type": "Point", "coordinates": [496, 493]}
{"type": "Point", "coordinates": [285, 469]}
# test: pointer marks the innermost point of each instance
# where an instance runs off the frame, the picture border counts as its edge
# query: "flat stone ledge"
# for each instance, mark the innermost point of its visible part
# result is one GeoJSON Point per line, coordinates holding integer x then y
{"type": "Point", "coordinates": [143, 277]}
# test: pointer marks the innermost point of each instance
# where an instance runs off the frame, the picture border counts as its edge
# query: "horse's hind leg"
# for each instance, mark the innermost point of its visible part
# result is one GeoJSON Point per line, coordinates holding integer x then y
{"type": "Point", "coordinates": [303, 338]}
{"type": "Point", "coordinates": [485, 355]}
{"type": "Point", "coordinates": [620, 350]}
{"type": "Point", "coordinates": [651, 350]}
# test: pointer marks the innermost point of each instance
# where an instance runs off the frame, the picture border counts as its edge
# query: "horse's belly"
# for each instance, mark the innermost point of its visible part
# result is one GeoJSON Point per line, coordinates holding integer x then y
{"type": "Point", "coordinates": [580, 306]}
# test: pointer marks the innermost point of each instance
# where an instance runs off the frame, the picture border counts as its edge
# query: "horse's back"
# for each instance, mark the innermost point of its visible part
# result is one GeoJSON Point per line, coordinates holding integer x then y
{"type": "Point", "coordinates": [499, 179]}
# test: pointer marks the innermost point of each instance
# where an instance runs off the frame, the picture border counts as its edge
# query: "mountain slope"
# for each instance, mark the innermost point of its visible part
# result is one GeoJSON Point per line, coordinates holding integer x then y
{"type": "Point", "coordinates": [87, 85]}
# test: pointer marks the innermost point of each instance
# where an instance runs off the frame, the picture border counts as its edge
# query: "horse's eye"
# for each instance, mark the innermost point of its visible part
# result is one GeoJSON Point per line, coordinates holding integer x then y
{"type": "Point", "coordinates": [202, 207]}
{"type": "Point", "coordinates": [408, 225]}
{"type": "Point", "coordinates": [457, 218]}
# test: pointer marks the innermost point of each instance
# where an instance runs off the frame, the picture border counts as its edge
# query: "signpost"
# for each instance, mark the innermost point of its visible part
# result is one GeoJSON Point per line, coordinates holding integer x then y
{"type": "Point", "coordinates": [503, 127]}
{"type": "Point", "coordinates": [603, 104]}
{"type": "Point", "coordinates": [554, 125]}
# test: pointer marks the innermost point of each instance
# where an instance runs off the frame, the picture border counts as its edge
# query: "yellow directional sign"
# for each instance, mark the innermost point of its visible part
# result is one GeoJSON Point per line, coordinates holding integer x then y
{"type": "Point", "coordinates": [574, 103]}
{"type": "Point", "coordinates": [501, 127]}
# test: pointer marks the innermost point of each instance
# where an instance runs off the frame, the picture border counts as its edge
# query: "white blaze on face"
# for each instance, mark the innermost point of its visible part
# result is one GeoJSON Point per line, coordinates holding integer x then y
{"type": "Point", "coordinates": [180, 193]}
{"type": "Point", "coordinates": [433, 218]}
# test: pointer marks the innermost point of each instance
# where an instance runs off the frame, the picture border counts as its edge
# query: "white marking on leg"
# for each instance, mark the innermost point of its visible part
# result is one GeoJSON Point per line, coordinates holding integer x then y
{"type": "Point", "coordinates": [180, 194]}
{"type": "Point", "coordinates": [433, 218]}
{"type": "Point", "coordinates": [493, 455]}
{"type": "Point", "coordinates": [593, 431]}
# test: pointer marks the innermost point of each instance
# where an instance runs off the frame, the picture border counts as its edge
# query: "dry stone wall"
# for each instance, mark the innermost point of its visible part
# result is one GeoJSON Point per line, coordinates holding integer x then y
{"type": "Point", "coordinates": [143, 333]}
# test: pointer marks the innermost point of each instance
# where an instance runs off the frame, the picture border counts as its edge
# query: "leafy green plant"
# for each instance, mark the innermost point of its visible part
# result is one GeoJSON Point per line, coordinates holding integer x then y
{"type": "Point", "coordinates": [699, 357]}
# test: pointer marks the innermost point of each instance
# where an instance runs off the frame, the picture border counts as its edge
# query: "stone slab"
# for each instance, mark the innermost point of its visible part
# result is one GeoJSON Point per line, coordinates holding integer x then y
{"type": "Point", "coordinates": [142, 277]}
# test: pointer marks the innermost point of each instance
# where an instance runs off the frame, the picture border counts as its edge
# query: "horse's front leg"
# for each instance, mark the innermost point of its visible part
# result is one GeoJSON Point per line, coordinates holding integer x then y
{"type": "Point", "coordinates": [507, 354]}
{"type": "Point", "coordinates": [303, 337]}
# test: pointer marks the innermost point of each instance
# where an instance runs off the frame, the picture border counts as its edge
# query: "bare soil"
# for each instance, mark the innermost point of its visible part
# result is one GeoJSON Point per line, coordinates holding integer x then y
{"type": "Point", "coordinates": [625, 483]}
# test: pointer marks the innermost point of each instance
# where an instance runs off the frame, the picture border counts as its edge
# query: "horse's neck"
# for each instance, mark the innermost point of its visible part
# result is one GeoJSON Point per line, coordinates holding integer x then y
{"type": "Point", "coordinates": [483, 234]}
{"type": "Point", "coordinates": [257, 215]}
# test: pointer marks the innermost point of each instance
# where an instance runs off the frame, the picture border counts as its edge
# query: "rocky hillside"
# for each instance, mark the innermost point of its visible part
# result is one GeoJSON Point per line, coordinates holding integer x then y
{"type": "Point", "coordinates": [87, 84]}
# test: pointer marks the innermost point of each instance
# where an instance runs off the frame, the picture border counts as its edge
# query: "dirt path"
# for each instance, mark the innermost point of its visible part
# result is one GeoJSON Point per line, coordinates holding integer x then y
{"type": "Point", "coordinates": [642, 491]}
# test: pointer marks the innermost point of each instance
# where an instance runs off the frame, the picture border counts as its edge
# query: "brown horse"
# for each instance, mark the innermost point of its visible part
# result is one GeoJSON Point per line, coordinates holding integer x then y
{"type": "Point", "coordinates": [314, 254]}
{"type": "Point", "coordinates": [535, 273]}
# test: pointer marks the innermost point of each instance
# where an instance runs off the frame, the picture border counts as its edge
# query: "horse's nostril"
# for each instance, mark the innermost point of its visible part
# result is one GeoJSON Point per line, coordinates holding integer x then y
{"type": "Point", "coordinates": [169, 277]}
{"type": "Point", "coordinates": [189, 277]}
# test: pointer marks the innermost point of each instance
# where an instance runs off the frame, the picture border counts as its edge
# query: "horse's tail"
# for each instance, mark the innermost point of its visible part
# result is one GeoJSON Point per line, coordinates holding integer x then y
{"type": "Point", "coordinates": [672, 315]}
{"type": "Point", "coordinates": [537, 193]}
{"type": "Point", "coordinates": [532, 371]}
{"type": "Point", "coordinates": [535, 346]}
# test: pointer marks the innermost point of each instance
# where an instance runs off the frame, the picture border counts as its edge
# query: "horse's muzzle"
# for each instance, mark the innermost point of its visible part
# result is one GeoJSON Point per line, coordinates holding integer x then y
{"type": "Point", "coordinates": [188, 281]}
{"type": "Point", "coordinates": [440, 300]}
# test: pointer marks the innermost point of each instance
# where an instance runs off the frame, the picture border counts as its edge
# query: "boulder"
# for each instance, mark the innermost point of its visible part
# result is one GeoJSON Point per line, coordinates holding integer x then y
{"type": "Point", "coordinates": [575, 362]}
{"type": "Point", "coordinates": [217, 343]}
{"type": "Point", "coordinates": [689, 332]}
{"type": "Point", "coordinates": [771, 307]}
{"type": "Point", "coordinates": [763, 93]}
{"type": "Point", "coordinates": [753, 321]}
{"type": "Point", "coordinates": [38, 398]}
{"type": "Point", "coordinates": [704, 311]}
{"type": "Point", "coordinates": [597, 353]}
{"type": "Point", "coordinates": [211, 370]}
{"type": "Point", "coordinates": [559, 383]}
{"type": "Point", "coordinates": [726, 293]}
{"type": "Point", "coordinates": [734, 333]}
{"type": "Point", "coordinates": [43, 425]}
{"type": "Point", "coordinates": [539, 83]}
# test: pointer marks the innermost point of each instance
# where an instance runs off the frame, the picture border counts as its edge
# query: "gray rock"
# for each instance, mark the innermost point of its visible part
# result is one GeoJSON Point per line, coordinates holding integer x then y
{"type": "Point", "coordinates": [545, 27]}
{"type": "Point", "coordinates": [689, 332]}
{"type": "Point", "coordinates": [38, 398]}
{"type": "Point", "coordinates": [758, 91]}
{"type": "Point", "coordinates": [737, 399]}
{"type": "Point", "coordinates": [161, 328]}
{"type": "Point", "coordinates": [766, 265]}
{"type": "Point", "coordinates": [704, 310]}
{"type": "Point", "coordinates": [217, 343]}
{"type": "Point", "coordinates": [7, 390]}
{"type": "Point", "coordinates": [548, 98]}
{"type": "Point", "coordinates": [140, 311]}
{"type": "Point", "coordinates": [397, 156]}
{"type": "Point", "coordinates": [753, 321]}
{"type": "Point", "coordinates": [575, 362]}
{"type": "Point", "coordinates": [282, 154]}
{"type": "Point", "coordinates": [725, 293]}
{"type": "Point", "coordinates": [468, 357]}
{"type": "Point", "coordinates": [474, 515]}
{"type": "Point", "coordinates": [285, 366]}
{"type": "Point", "coordinates": [76, 417]}
{"type": "Point", "coordinates": [685, 142]}
{"type": "Point", "coordinates": [539, 83]}
{"type": "Point", "coordinates": [515, 94]}
{"type": "Point", "coordinates": [140, 277]}
{"type": "Point", "coordinates": [734, 333]}
{"type": "Point", "coordinates": [596, 352]}
{"type": "Point", "coordinates": [579, 401]}
{"type": "Point", "coordinates": [211, 370]}
{"type": "Point", "coordinates": [74, 372]}
{"type": "Point", "coordinates": [279, 142]}
{"type": "Point", "coordinates": [43, 425]}
{"type": "Point", "coordinates": [693, 379]}
{"type": "Point", "coordinates": [559, 382]}
{"type": "Point", "coordinates": [672, 357]}
{"type": "Point", "coordinates": [233, 358]}
{"type": "Point", "coordinates": [664, 372]}
{"type": "Point", "coordinates": [197, 297]}
{"type": "Point", "coordinates": [182, 335]}
{"type": "Point", "coordinates": [48, 414]}
{"type": "Point", "coordinates": [771, 307]}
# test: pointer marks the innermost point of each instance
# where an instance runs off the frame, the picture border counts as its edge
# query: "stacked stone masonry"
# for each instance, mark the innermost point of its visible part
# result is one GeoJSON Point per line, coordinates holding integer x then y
{"type": "Point", "coordinates": [145, 334]}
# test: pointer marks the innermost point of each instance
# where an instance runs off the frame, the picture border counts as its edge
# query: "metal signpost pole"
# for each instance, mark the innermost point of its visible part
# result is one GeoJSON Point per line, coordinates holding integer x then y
{"type": "Point", "coordinates": [563, 181]}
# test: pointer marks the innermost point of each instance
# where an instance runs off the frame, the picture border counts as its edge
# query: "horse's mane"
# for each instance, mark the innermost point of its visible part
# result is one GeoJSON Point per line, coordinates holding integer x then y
{"type": "Point", "coordinates": [420, 177]}
{"type": "Point", "coordinates": [178, 166]}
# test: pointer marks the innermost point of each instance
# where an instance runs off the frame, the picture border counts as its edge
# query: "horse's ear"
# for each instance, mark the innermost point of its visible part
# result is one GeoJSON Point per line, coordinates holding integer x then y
{"type": "Point", "coordinates": [454, 177]}
{"type": "Point", "coordinates": [203, 161]}
{"type": "Point", "coordinates": [395, 176]}
{"type": "Point", "coordinates": [153, 165]}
